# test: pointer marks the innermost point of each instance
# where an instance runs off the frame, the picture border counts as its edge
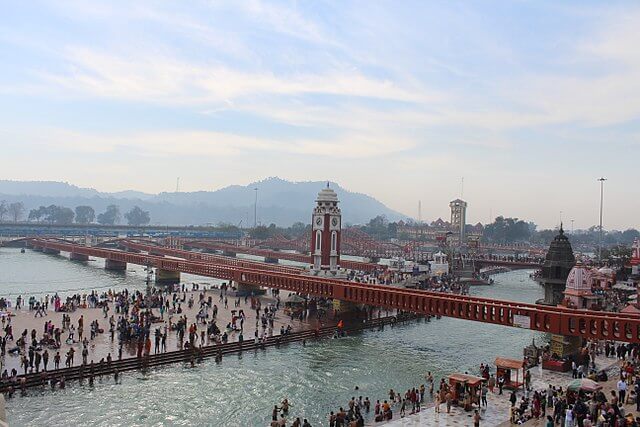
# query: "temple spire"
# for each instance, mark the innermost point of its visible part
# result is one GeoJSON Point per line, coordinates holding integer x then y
{"type": "Point", "coordinates": [561, 230]}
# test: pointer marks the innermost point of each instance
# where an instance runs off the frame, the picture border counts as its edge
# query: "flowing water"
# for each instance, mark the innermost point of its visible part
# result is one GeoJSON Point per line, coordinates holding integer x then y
{"type": "Point", "coordinates": [242, 389]}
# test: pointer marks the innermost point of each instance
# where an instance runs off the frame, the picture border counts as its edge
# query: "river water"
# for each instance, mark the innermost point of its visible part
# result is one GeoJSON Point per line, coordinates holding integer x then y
{"type": "Point", "coordinates": [242, 389]}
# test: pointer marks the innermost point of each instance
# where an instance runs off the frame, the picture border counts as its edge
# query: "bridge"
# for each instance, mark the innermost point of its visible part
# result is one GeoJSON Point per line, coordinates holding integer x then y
{"type": "Point", "coordinates": [275, 255]}
{"type": "Point", "coordinates": [512, 264]}
{"type": "Point", "coordinates": [556, 320]}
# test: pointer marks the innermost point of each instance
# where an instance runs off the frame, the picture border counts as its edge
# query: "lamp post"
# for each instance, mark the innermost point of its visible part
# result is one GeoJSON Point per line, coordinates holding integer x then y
{"type": "Point", "coordinates": [255, 209]}
{"type": "Point", "coordinates": [602, 180]}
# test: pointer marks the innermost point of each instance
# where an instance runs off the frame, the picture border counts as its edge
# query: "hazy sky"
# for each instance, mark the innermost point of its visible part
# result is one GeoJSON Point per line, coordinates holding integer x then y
{"type": "Point", "coordinates": [530, 101]}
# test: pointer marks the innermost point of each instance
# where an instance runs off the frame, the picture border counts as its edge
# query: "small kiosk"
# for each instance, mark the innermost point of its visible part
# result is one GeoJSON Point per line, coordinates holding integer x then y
{"type": "Point", "coordinates": [509, 369]}
{"type": "Point", "coordinates": [465, 389]}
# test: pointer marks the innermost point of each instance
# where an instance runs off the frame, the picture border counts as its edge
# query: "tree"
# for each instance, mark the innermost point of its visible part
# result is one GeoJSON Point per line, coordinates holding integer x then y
{"type": "Point", "coordinates": [3, 210]}
{"type": "Point", "coordinates": [85, 214]}
{"type": "Point", "coordinates": [16, 209]}
{"type": "Point", "coordinates": [259, 232]}
{"type": "Point", "coordinates": [62, 215]}
{"type": "Point", "coordinates": [37, 214]}
{"type": "Point", "coordinates": [137, 216]}
{"type": "Point", "coordinates": [110, 216]}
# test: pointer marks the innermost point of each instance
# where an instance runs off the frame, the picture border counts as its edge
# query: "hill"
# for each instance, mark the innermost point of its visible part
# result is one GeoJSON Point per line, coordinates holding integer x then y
{"type": "Point", "coordinates": [279, 201]}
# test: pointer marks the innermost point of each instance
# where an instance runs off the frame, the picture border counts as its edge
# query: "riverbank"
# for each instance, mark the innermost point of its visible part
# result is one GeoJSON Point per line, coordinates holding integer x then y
{"type": "Point", "coordinates": [496, 413]}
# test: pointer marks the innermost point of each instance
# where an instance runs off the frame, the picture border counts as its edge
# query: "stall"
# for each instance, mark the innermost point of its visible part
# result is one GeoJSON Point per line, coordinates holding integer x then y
{"type": "Point", "coordinates": [465, 389]}
{"type": "Point", "coordinates": [294, 305]}
{"type": "Point", "coordinates": [510, 370]}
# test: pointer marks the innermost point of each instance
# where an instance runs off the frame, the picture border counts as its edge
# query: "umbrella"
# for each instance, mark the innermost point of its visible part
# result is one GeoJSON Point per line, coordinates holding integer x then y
{"type": "Point", "coordinates": [584, 384]}
{"type": "Point", "coordinates": [295, 299]}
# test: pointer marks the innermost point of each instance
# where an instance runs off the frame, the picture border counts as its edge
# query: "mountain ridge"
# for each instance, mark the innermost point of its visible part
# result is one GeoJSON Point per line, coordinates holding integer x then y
{"type": "Point", "coordinates": [280, 202]}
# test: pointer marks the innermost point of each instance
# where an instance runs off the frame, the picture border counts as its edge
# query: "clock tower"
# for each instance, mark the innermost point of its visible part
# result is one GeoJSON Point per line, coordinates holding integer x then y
{"type": "Point", "coordinates": [326, 224]}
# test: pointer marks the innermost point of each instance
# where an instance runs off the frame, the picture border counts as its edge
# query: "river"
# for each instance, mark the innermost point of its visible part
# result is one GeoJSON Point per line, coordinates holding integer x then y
{"type": "Point", "coordinates": [242, 389]}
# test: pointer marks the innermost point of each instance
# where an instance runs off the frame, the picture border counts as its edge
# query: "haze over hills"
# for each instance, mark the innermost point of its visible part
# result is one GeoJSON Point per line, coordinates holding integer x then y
{"type": "Point", "coordinates": [279, 201]}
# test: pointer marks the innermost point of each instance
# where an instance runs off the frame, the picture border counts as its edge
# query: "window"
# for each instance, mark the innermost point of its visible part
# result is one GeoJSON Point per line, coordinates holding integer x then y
{"type": "Point", "coordinates": [318, 240]}
{"type": "Point", "coordinates": [334, 241]}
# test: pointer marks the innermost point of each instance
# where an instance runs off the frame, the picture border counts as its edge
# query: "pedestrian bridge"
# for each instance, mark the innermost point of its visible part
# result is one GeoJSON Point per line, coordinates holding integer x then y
{"type": "Point", "coordinates": [556, 320]}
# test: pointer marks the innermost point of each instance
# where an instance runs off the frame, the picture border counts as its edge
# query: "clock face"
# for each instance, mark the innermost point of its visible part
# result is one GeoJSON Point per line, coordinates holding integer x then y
{"type": "Point", "coordinates": [334, 221]}
{"type": "Point", "coordinates": [318, 220]}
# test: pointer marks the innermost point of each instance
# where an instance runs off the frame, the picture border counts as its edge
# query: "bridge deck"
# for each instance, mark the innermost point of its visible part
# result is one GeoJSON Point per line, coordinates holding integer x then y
{"type": "Point", "coordinates": [557, 320]}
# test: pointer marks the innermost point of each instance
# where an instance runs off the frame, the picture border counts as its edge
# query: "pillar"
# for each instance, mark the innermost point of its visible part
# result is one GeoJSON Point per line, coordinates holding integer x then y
{"type": "Point", "coordinates": [167, 277]}
{"type": "Point", "coordinates": [110, 264]}
{"type": "Point", "coordinates": [51, 251]}
{"type": "Point", "coordinates": [244, 289]}
{"type": "Point", "coordinates": [78, 257]}
{"type": "Point", "coordinates": [565, 346]}
{"type": "Point", "coordinates": [343, 306]}
{"type": "Point", "coordinates": [271, 260]}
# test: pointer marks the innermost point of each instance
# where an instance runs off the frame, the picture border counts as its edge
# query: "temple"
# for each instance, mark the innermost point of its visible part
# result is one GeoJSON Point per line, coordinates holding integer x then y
{"type": "Point", "coordinates": [555, 270]}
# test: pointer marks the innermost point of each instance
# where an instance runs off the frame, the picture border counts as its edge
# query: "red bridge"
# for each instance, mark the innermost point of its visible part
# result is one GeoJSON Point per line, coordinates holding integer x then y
{"type": "Point", "coordinates": [557, 320]}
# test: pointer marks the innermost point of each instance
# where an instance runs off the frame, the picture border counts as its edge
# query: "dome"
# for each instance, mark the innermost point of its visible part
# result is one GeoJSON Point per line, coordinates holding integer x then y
{"type": "Point", "coordinates": [327, 195]}
{"type": "Point", "coordinates": [608, 271]}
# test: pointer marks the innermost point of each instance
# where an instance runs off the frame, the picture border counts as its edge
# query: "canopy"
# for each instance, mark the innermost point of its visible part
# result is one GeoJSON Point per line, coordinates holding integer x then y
{"type": "Point", "coordinates": [503, 362]}
{"type": "Point", "coordinates": [584, 384]}
{"type": "Point", "coordinates": [295, 299]}
{"type": "Point", "coordinates": [466, 378]}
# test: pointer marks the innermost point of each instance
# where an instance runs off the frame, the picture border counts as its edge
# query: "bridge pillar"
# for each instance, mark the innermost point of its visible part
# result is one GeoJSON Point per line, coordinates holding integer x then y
{"type": "Point", "coordinates": [341, 307]}
{"type": "Point", "coordinates": [229, 254]}
{"type": "Point", "coordinates": [271, 260]}
{"type": "Point", "coordinates": [244, 289]}
{"type": "Point", "coordinates": [51, 251]}
{"type": "Point", "coordinates": [565, 346]}
{"type": "Point", "coordinates": [167, 277]}
{"type": "Point", "coordinates": [78, 257]}
{"type": "Point", "coordinates": [110, 264]}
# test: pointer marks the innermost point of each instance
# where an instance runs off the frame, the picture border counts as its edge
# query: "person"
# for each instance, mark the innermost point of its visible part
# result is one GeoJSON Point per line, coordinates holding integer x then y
{"type": "Point", "coordinates": [549, 421]}
{"type": "Point", "coordinates": [306, 423]}
{"type": "Point", "coordinates": [568, 418]}
{"type": "Point", "coordinates": [622, 390]}
{"type": "Point", "coordinates": [476, 419]}
{"type": "Point", "coordinates": [500, 383]}
{"type": "Point", "coordinates": [483, 395]}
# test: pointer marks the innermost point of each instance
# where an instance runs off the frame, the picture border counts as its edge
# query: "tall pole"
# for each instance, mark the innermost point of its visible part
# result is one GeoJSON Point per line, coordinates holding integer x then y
{"type": "Point", "coordinates": [571, 226]}
{"type": "Point", "coordinates": [602, 180]}
{"type": "Point", "coordinates": [255, 209]}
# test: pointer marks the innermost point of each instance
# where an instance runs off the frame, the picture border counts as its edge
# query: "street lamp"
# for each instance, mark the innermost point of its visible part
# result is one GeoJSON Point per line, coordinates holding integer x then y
{"type": "Point", "coordinates": [255, 209]}
{"type": "Point", "coordinates": [602, 180]}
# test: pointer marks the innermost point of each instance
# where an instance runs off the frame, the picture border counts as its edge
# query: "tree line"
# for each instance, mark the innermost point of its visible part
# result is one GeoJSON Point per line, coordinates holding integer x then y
{"type": "Point", "coordinates": [62, 215]}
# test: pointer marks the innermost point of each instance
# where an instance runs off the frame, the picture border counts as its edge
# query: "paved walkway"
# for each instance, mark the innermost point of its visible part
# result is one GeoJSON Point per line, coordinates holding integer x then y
{"type": "Point", "coordinates": [497, 411]}
{"type": "Point", "coordinates": [102, 344]}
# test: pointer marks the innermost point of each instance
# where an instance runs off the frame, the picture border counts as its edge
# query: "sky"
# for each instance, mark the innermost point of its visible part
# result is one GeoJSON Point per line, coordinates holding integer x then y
{"type": "Point", "coordinates": [529, 101]}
